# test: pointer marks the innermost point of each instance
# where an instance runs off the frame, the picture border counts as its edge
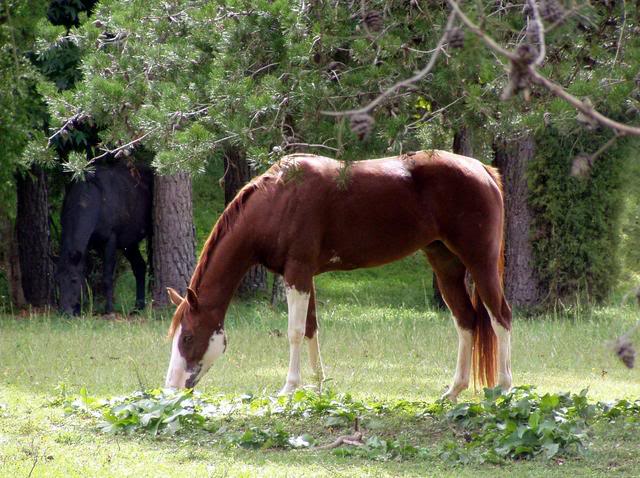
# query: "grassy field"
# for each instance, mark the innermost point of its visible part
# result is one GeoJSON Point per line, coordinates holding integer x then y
{"type": "Point", "coordinates": [380, 339]}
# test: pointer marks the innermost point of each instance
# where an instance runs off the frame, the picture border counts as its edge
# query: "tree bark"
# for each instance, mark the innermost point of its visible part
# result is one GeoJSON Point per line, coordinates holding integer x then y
{"type": "Point", "coordinates": [10, 261]}
{"type": "Point", "coordinates": [278, 294]}
{"type": "Point", "coordinates": [463, 142]}
{"type": "Point", "coordinates": [34, 237]}
{"type": "Point", "coordinates": [521, 282]}
{"type": "Point", "coordinates": [173, 236]}
{"type": "Point", "coordinates": [239, 172]}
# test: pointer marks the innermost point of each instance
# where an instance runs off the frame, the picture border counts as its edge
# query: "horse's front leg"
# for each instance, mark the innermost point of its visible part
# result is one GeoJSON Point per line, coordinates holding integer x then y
{"type": "Point", "coordinates": [298, 304]}
{"type": "Point", "coordinates": [108, 271]}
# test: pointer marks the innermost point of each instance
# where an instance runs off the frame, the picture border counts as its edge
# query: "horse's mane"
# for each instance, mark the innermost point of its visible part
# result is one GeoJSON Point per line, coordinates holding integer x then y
{"type": "Point", "coordinates": [224, 223]}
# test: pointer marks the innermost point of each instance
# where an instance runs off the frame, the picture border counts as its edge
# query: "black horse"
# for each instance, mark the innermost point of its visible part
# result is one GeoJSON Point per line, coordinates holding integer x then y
{"type": "Point", "coordinates": [110, 210]}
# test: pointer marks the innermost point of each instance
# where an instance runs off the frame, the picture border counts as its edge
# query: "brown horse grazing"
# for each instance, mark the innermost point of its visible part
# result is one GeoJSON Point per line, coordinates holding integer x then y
{"type": "Point", "coordinates": [310, 214]}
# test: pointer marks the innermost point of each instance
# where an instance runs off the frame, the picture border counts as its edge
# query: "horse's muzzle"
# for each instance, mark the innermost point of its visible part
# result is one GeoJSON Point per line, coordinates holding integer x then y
{"type": "Point", "coordinates": [193, 377]}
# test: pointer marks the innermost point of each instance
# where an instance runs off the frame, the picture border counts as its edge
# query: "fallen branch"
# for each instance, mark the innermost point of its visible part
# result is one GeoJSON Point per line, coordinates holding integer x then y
{"type": "Point", "coordinates": [352, 440]}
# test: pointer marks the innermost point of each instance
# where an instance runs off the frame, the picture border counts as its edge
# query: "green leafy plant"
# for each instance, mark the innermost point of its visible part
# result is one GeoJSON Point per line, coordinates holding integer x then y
{"type": "Point", "coordinates": [520, 424]}
{"type": "Point", "coordinates": [523, 424]}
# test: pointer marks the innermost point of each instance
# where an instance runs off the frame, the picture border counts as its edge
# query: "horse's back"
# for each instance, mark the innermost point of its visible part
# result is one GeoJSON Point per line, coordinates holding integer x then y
{"type": "Point", "coordinates": [370, 212]}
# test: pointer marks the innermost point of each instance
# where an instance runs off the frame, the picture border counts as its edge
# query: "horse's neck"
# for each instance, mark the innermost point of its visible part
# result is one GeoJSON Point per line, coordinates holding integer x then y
{"type": "Point", "coordinates": [225, 268]}
{"type": "Point", "coordinates": [77, 229]}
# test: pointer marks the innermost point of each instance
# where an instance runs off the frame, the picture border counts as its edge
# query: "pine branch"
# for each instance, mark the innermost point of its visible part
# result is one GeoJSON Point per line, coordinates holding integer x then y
{"type": "Point", "coordinates": [539, 78]}
{"type": "Point", "coordinates": [404, 83]}
{"type": "Point", "coordinates": [124, 147]}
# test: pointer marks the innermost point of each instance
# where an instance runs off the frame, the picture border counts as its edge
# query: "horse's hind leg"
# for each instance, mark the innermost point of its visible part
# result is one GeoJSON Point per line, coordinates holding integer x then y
{"type": "Point", "coordinates": [311, 333]}
{"type": "Point", "coordinates": [108, 272]}
{"type": "Point", "coordinates": [139, 269]}
{"type": "Point", "coordinates": [450, 272]}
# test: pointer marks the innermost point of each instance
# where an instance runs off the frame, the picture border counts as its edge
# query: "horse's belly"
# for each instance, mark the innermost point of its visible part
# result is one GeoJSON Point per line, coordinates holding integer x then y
{"type": "Point", "coordinates": [374, 251]}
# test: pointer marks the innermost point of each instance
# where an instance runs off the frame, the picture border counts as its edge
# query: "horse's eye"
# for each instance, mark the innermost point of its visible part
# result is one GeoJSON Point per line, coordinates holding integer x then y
{"type": "Point", "coordinates": [187, 339]}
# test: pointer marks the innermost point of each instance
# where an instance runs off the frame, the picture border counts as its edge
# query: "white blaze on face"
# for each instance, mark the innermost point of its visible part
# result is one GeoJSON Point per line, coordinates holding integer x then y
{"type": "Point", "coordinates": [217, 346]}
{"type": "Point", "coordinates": [177, 373]}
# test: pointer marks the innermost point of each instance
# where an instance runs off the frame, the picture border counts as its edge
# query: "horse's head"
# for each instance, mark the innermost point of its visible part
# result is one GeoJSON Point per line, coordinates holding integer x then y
{"type": "Point", "coordinates": [69, 278]}
{"type": "Point", "coordinates": [198, 340]}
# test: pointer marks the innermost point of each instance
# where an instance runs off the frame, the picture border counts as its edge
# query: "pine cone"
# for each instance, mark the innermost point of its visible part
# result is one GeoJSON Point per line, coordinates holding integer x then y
{"type": "Point", "coordinates": [635, 94]}
{"type": "Point", "coordinates": [625, 351]}
{"type": "Point", "coordinates": [632, 111]}
{"type": "Point", "coordinates": [456, 38]}
{"type": "Point", "coordinates": [373, 20]}
{"type": "Point", "coordinates": [362, 125]}
{"type": "Point", "coordinates": [637, 80]}
{"type": "Point", "coordinates": [551, 10]}
{"type": "Point", "coordinates": [581, 166]}
{"type": "Point", "coordinates": [333, 70]}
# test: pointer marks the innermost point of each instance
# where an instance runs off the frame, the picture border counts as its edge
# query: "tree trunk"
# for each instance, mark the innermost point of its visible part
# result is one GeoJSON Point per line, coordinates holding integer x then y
{"type": "Point", "coordinates": [239, 172]}
{"type": "Point", "coordinates": [463, 142]}
{"type": "Point", "coordinates": [10, 261]}
{"type": "Point", "coordinates": [278, 294]}
{"type": "Point", "coordinates": [34, 238]}
{"type": "Point", "coordinates": [512, 157]}
{"type": "Point", "coordinates": [173, 236]}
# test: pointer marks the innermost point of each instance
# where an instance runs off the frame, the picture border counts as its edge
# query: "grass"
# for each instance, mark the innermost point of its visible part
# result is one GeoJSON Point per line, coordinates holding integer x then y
{"type": "Point", "coordinates": [380, 340]}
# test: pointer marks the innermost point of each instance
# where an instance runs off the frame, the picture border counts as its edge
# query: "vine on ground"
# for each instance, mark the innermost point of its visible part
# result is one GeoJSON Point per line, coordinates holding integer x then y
{"type": "Point", "coordinates": [520, 424]}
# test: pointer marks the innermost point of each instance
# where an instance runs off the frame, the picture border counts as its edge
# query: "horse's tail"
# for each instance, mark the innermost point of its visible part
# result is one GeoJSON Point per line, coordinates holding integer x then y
{"type": "Point", "coordinates": [485, 345]}
{"type": "Point", "coordinates": [485, 341]}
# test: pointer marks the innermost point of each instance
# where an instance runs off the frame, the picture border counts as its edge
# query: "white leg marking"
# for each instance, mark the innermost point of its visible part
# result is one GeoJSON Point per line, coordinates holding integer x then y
{"type": "Point", "coordinates": [316, 359]}
{"type": "Point", "coordinates": [504, 353]}
{"type": "Point", "coordinates": [177, 372]}
{"type": "Point", "coordinates": [298, 303]}
{"type": "Point", "coordinates": [463, 366]}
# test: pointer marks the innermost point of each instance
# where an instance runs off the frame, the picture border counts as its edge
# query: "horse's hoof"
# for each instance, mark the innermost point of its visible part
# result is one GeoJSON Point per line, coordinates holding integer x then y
{"type": "Point", "coordinates": [288, 389]}
{"type": "Point", "coordinates": [449, 396]}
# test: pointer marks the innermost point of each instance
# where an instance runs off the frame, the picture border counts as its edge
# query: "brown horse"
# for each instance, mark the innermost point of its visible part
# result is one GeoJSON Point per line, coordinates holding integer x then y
{"type": "Point", "coordinates": [310, 214]}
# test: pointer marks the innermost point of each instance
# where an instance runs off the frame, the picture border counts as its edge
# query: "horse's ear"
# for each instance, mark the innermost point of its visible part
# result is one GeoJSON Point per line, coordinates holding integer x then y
{"type": "Point", "coordinates": [174, 296]}
{"type": "Point", "coordinates": [192, 298]}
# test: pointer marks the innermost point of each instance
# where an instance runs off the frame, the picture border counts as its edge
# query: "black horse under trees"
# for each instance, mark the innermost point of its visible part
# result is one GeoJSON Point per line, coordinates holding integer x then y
{"type": "Point", "coordinates": [108, 211]}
